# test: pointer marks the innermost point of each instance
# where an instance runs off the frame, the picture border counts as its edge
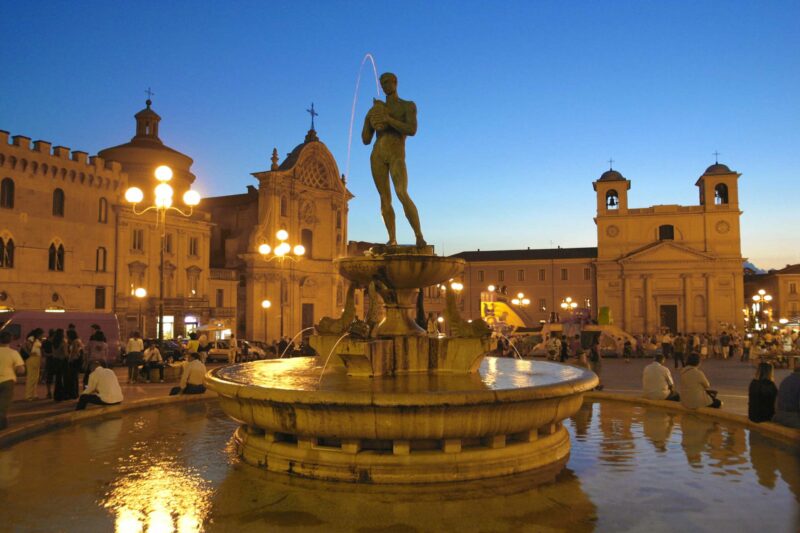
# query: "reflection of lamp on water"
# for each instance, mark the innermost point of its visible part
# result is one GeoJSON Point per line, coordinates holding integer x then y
{"type": "Point", "coordinates": [163, 203]}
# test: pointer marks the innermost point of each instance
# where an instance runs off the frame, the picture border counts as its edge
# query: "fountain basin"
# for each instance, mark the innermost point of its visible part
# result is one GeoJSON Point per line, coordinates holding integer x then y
{"type": "Point", "coordinates": [400, 271]}
{"type": "Point", "coordinates": [412, 428]}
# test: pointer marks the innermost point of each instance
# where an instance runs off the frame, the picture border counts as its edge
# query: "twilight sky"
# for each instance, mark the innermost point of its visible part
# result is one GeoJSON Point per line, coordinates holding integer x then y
{"type": "Point", "coordinates": [520, 104]}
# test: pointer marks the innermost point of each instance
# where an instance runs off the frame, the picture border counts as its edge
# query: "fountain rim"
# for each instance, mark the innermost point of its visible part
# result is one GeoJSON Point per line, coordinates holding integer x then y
{"type": "Point", "coordinates": [583, 382]}
{"type": "Point", "coordinates": [399, 257]}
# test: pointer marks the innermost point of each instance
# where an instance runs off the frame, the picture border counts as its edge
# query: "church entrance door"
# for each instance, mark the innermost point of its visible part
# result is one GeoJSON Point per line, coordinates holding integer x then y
{"type": "Point", "coordinates": [308, 315]}
{"type": "Point", "coordinates": [669, 317]}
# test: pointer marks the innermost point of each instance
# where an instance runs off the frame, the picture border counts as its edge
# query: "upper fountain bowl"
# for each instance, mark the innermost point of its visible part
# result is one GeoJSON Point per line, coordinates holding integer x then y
{"type": "Point", "coordinates": [400, 271]}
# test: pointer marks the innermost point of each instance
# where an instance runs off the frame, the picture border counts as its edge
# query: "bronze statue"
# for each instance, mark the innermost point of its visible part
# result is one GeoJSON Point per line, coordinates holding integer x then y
{"type": "Point", "coordinates": [392, 121]}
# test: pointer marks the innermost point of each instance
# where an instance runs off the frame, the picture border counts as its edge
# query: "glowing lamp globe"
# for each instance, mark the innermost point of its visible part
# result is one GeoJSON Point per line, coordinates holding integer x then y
{"type": "Point", "coordinates": [525, 301]}
{"type": "Point", "coordinates": [191, 198]}
{"type": "Point", "coordinates": [440, 319]}
{"type": "Point", "coordinates": [491, 288]}
{"type": "Point", "coordinates": [140, 292]}
{"type": "Point", "coordinates": [134, 195]}
{"type": "Point", "coordinates": [266, 304]}
{"type": "Point", "coordinates": [282, 235]}
{"type": "Point", "coordinates": [163, 173]}
{"type": "Point", "coordinates": [264, 249]}
{"type": "Point", "coordinates": [515, 301]}
{"type": "Point", "coordinates": [299, 249]}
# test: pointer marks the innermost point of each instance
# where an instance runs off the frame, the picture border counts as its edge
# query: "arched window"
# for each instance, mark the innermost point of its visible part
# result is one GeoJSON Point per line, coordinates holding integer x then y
{"type": "Point", "coordinates": [612, 199]}
{"type": "Point", "coordinates": [58, 203]}
{"type": "Point", "coordinates": [284, 206]}
{"type": "Point", "coordinates": [102, 211]}
{"type": "Point", "coordinates": [721, 194]}
{"type": "Point", "coordinates": [55, 257]}
{"type": "Point", "coordinates": [666, 232]}
{"type": "Point", "coordinates": [307, 240]}
{"type": "Point", "coordinates": [6, 253]}
{"type": "Point", "coordinates": [7, 193]}
{"type": "Point", "coordinates": [100, 260]}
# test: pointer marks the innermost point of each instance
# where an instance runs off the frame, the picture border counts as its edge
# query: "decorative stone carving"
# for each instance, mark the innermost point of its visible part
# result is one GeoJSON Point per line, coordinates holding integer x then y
{"type": "Point", "coordinates": [612, 231]}
{"type": "Point", "coordinates": [722, 227]}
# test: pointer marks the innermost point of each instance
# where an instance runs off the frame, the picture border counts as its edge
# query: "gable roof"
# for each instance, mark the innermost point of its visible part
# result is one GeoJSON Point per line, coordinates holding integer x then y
{"type": "Point", "coordinates": [665, 251]}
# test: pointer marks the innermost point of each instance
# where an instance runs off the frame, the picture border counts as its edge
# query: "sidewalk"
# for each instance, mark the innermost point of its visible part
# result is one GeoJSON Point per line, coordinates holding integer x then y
{"type": "Point", "coordinates": [731, 378]}
{"type": "Point", "coordinates": [24, 411]}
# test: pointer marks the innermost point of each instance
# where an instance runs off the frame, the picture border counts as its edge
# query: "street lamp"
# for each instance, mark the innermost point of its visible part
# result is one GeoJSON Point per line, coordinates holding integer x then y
{"type": "Point", "coordinates": [760, 301]}
{"type": "Point", "coordinates": [568, 305]}
{"type": "Point", "coordinates": [282, 250]}
{"type": "Point", "coordinates": [140, 293]}
{"type": "Point", "coordinates": [521, 300]}
{"type": "Point", "coordinates": [163, 203]}
{"type": "Point", "coordinates": [265, 305]}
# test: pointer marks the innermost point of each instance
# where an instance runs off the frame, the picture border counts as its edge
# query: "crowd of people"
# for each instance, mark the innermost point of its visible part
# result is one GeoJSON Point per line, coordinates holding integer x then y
{"type": "Point", "coordinates": [72, 370]}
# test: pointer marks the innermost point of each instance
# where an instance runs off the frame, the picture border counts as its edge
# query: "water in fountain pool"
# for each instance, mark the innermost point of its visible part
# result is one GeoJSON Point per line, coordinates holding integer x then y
{"type": "Point", "coordinates": [174, 469]}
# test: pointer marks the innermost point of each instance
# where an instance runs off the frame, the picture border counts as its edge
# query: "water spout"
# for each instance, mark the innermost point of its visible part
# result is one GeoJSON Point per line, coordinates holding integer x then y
{"type": "Point", "coordinates": [512, 346]}
{"type": "Point", "coordinates": [292, 341]}
{"type": "Point", "coordinates": [321, 374]}
{"type": "Point", "coordinates": [355, 99]}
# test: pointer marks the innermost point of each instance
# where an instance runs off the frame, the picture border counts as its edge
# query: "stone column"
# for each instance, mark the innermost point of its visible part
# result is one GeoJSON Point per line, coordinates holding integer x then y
{"type": "Point", "coordinates": [738, 291]}
{"type": "Point", "coordinates": [648, 295]}
{"type": "Point", "coordinates": [709, 284]}
{"type": "Point", "coordinates": [626, 302]}
{"type": "Point", "coordinates": [687, 301]}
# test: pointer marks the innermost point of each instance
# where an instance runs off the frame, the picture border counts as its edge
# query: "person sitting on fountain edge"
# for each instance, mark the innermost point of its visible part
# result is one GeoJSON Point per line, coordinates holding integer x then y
{"type": "Point", "coordinates": [657, 383]}
{"type": "Point", "coordinates": [192, 378]}
{"type": "Point", "coordinates": [103, 387]}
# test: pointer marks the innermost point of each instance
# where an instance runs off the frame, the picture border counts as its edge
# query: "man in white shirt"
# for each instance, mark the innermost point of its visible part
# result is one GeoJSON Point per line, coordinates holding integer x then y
{"type": "Point", "coordinates": [193, 378]}
{"type": "Point", "coordinates": [657, 381]}
{"type": "Point", "coordinates": [11, 366]}
{"type": "Point", "coordinates": [153, 359]}
{"type": "Point", "coordinates": [103, 387]}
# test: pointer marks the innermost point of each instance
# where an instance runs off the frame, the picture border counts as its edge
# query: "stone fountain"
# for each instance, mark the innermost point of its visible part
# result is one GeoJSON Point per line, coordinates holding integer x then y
{"type": "Point", "coordinates": [386, 402]}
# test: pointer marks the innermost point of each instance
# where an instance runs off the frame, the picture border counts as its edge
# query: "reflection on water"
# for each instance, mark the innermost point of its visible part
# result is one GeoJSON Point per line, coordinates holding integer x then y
{"type": "Point", "coordinates": [173, 469]}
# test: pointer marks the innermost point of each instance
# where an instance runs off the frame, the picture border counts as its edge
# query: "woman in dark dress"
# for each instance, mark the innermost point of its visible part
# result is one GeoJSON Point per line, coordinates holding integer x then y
{"type": "Point", "coordinates": [60, 366]}
{"type": "Point", "coordinates": [75, 355]}
{"type": "Point", "coordinates": [762, 394]}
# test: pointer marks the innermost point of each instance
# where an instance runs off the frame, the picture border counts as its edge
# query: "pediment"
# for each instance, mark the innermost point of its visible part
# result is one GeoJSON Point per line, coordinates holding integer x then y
{"type": "Point", "coordinates": [665, 252]}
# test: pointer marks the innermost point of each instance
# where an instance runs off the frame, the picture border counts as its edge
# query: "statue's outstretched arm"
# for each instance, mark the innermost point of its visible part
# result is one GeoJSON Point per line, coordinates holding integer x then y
{"type": "Point", "coordinates": [367, 131]}
{"type": "Point", "coordinates": [407, 126]}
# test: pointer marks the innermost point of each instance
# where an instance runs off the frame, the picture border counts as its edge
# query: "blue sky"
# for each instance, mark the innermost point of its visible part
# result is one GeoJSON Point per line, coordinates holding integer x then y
{"type": "Point", "coordinates": [521, 104]}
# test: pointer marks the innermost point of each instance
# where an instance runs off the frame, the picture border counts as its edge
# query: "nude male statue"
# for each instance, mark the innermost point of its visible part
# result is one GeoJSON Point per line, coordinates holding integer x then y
{"type": "Point", "coordinates": [392, 121]}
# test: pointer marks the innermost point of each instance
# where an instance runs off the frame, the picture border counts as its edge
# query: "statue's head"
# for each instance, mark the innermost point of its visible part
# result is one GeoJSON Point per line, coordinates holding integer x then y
{"type": "Point", "coordinates": [388, 82]}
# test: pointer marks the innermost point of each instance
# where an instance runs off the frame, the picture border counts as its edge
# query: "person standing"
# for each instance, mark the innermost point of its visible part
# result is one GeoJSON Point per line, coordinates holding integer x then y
{"type": "Point", "coordinates": [133, 357]}
{"type": "Point", "coordinates": [762, 394]}
{"type": "Point", "coordinates": [678, 349]}
{"type": "Point", "coordinates": [657, 383]}
{"type": "Point", "coordinates": [97, 348]}
{"type": "Point", "coordinates": [596, 361]}
{"type": "Point", "coordinates": [564, 348]}
{"type": "Point", "coordinates": [49, 363]}
{"type": "Point", "coordinates": [75, 359]}
{"type": "Point", "coordinates": [193, 377]}
{"type": "Point", "coordinates": [103, 387]}
{"type": "Point", "coordinates": [11, 366]}
{"type": "Point", "coordinates": [725, 345]}
{"type": "Point", "coordinates": [33, 364]}
{"type": "Point", "coordinates": [60, 365]}
{"type": "Point", "coordinates": [666, 344]}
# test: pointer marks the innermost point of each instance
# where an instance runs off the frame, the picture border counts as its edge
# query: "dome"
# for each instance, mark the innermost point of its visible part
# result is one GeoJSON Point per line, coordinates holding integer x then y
{"type": "Point", "coordinates": [611, 175]}
{"type": "Point", "coordinates": [718, 168]}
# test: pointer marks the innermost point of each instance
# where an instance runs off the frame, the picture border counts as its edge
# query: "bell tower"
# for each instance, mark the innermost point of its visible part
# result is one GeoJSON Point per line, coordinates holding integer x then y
{"type": "Point", "coordinates": [719, 188]}
{"type": "Point", "coordinates": [612, 193]}
{"type": "Point", "coordinates": [147, 124]}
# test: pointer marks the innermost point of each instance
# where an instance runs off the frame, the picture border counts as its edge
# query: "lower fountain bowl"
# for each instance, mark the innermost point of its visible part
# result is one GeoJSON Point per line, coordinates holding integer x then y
{"type": "Point", "coordinates": [415, 428]}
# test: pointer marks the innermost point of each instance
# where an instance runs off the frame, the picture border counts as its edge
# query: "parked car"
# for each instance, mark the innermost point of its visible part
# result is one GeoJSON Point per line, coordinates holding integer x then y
{"type": "Point", "coordinates": [251, 351]}
{"type": "Point", "coordinates": [222, 351]}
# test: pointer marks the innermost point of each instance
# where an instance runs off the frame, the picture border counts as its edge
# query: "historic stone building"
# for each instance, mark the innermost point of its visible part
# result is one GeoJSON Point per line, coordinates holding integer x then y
{"type": "Point", "coordinates": [664, 266]}
{"type": "Point", "coordinates": [783, 285]}
{"type": "Point", "coordinates": [188, 285]}
{"type": "Point", "coordinates": [306, 196]}
{"type": "Point", "coordinates": [670, 266]}
{"type": "Point", "coordinates": [57, 227]}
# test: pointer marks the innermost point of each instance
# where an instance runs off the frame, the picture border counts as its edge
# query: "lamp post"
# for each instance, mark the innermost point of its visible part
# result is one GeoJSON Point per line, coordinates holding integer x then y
{"type": "Point", "coordinates": [281, 251]}
{"type": "Point", "coordinates": [521, 300]}
{"type": "Point", "coordinates": [265, 305]}
{"type": "Point", "coordinates": [163, 203]}
{"type": "Point", "coordinates": [760, 301]}
{"type": "Point", "coordinates": [140, 293]}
